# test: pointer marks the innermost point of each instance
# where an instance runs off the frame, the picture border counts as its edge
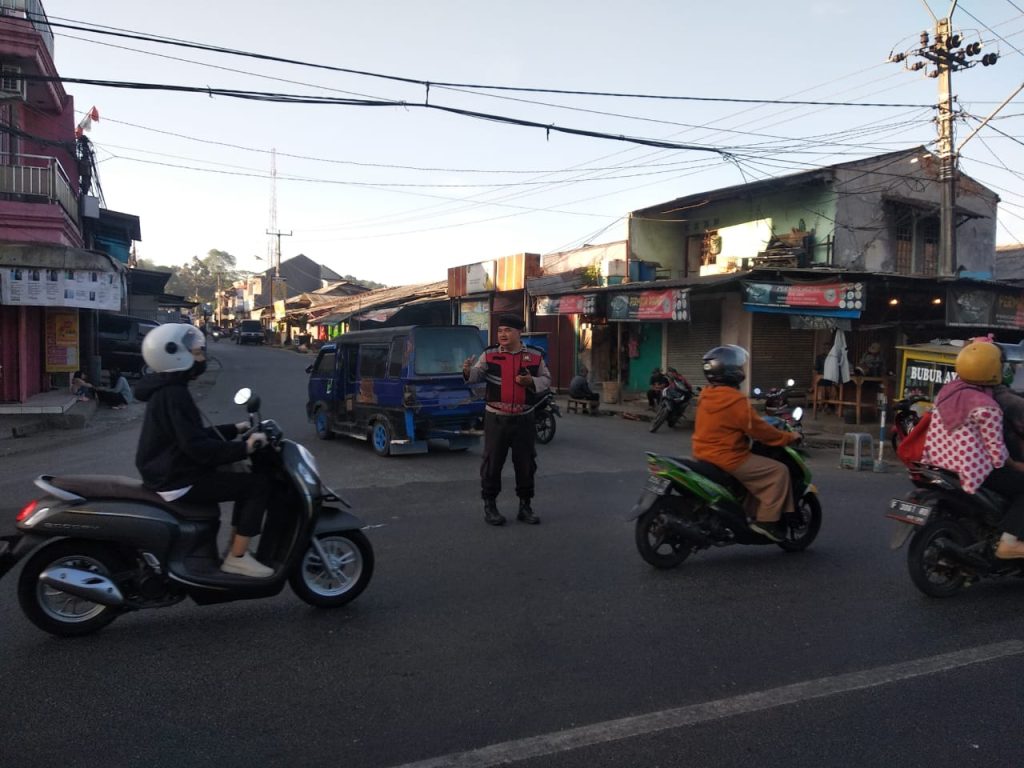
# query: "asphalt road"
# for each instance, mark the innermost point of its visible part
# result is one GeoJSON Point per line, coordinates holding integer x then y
{"type": "Point", "coordinates": [550, 645]}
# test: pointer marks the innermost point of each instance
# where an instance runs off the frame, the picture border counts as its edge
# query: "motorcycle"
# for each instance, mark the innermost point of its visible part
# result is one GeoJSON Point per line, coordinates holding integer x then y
{"type": "Point", "coordinates": [905, 418]}
{"type": "Point", "coordinates": [953, 534]}
{"type": "Point", "coordinates": [689, 505]}
{"type": "Point", "coordinates": [674, 400]}
{"type": "Point", "coordinates": [544, 417]}
{"type": "Point", "coordinates": [105, 545]}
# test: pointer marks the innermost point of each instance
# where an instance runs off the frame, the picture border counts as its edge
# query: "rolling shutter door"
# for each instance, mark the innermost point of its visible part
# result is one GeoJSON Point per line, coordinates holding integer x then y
{"type": "Point", "coordinates": [687, 342]}
{"type": "Point", "coordinates": [778, 353]}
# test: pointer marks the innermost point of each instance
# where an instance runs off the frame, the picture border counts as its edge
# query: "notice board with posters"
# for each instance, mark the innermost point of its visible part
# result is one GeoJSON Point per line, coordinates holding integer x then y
{"type": "Point", "coordinates": [62, 341]}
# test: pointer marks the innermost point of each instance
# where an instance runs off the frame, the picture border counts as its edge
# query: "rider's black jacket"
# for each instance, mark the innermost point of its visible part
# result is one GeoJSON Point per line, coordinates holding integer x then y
{"type": "Point", "coordinates": [175, 449]}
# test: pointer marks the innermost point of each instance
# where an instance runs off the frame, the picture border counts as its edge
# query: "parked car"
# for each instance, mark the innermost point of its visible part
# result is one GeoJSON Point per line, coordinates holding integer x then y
{"type": "Point", "coordinates": [249, 332]}
{"type": "Point", "coordinates": [398, 388]}
{"type": "Point", "coordinates": [120, 341]}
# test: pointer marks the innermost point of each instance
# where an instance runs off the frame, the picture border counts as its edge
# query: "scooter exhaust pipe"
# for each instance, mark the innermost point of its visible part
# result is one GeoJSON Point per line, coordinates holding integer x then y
{"type": "Point", "coordinates": [964, 556]}
{"type": "Point", "coordinates": [689, 532]}
{"type": "Point", "coordinates": [84, 584]}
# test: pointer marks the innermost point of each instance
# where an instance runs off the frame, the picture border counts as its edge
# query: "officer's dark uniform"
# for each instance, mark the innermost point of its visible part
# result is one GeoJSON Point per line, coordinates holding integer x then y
{"type": "Point", "coordinates": [509, 423]}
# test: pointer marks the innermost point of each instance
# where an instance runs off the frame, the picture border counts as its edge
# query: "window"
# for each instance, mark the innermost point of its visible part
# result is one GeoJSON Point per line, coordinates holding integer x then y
{"type": "Point", "coordinates": [441, 351]}
{"type": "Point", "coordinates": [10, 80]}
{"type": "Point", "coordinates": [373, 361]}
{"type": "Point", "coordinates": [325, 365]}
{"type": "Point", "coordinates": [349, 356]}
{"type": "Point", "coordinates": [915, 240]}
{"type": "Point", "coordinates": [398, 357]}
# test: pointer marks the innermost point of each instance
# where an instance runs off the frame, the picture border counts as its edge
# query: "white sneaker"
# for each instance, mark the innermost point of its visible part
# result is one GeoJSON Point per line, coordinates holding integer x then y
{"type": "Point", "coordinates": [246, 565]}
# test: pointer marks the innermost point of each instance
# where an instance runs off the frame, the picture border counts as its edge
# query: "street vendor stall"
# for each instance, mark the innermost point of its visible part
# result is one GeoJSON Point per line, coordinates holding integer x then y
{"type": "Point", "coordinates": [925, 368]}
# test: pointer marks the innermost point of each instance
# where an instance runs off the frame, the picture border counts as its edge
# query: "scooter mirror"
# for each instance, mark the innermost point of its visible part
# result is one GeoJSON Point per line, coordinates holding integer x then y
{"type": "Point", "coordinates": [798, 413]}
{"type": "Point", "coordinates": [790, 382]}
{"type": "Point", "coordinates": [242, 396]}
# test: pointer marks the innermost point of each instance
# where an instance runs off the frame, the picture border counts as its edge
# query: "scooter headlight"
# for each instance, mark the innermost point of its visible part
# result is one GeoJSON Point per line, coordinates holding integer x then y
{"type": "Point", "coordinates": [309, 458]}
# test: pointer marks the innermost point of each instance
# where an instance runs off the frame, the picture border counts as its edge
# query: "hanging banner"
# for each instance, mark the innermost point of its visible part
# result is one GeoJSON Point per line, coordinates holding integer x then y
{"type": "Point", "coordinates": [574, 304]}
{"type": "Point", "coordinates": [41, 287]}
{"type": "Point", "coordinates": [822, 299]}
{"type": "Point", "coordinates": [62, 340]}
{"type": "Point", "coordinates": [979, 308]}
{"type": "Point", "coordinates": [640, 306]}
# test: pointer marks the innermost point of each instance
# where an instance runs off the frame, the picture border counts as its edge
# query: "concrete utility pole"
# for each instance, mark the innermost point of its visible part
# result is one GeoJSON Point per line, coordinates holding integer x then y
{"type": "Point", "coordinates": [946, 52]}
{"type": "Point", "coordinates": [277, 259]}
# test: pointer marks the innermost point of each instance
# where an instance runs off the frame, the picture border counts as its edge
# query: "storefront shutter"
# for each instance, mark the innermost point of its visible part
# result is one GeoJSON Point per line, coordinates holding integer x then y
{"type": "Point", "coordinates": [778, 353]}
{"type": "Point", "coordinates": [687, 342]}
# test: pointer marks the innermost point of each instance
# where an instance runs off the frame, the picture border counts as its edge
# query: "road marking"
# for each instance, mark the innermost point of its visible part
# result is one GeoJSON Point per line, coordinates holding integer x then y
{"type": "Point", "coordinates": [630, 727]}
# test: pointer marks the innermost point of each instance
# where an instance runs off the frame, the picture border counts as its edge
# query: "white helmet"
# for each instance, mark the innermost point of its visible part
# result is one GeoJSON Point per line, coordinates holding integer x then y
{"type": "Point", "coordinates": [168, 347]}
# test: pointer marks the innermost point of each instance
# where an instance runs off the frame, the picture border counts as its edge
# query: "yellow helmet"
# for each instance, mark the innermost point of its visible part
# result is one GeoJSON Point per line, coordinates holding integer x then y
{"type": "Point", "coordinates": [980, 363]}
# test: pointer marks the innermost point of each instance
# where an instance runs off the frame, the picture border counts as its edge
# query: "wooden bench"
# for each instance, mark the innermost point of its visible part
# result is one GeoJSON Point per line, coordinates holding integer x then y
{"type": "Point", "coordinates": [576, 405]}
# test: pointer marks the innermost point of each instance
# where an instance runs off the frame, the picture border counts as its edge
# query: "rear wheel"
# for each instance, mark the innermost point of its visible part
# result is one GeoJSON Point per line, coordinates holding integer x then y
{"type": "Point", "coordinates": [350, 555]}
{"type": "Point", "coordinates": [546, 428]}
{"type": "Point", "coordinates": [655, 541]}
{"type": "Point", "coordinates": [57, 612]}
{"type": "Point", "coordinates": [933, 572]}
{"type": "Point", "coordinates": [803, 525]}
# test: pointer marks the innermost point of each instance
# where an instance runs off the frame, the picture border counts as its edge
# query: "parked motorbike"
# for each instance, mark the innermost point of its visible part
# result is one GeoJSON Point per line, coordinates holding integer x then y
{"type": "Point", "coordinates": [905, 418]}
{"type": "Point", "coordinates": [105, 545]}
{"type": "Point", "coordinates": [544, 417]}
{"type": "Point", "coordinates": [688, 505]}
{"type": "Point", "coordinates": [674, 400]}
{"type": "Point", "coordinates": [953, 534]}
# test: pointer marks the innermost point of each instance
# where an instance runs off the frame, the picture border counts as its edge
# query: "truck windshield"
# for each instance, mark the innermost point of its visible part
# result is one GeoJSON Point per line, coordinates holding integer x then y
{"type": "Point", "coordinates": [442, 350]}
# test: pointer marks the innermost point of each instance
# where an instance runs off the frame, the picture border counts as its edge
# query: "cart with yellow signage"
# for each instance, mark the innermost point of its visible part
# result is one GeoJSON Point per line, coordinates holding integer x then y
{"type": "Point", "coordinates": [925, 368]}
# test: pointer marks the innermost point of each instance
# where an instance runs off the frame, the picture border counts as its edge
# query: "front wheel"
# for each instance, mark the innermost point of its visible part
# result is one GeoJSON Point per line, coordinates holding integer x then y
{"type": "Point", "coordinates": [350, 554]}
{"type": "Point", "coordinates": [656, 542]}
{"type": "Point", "coordinates": [58, 612]}
{"type": "Point", "coordinates": [931, 571]}
{"type": "Point", "coordinates": [660, 418]}
{"type": "Point", "coordinates": [380, 437]}
{"type": "Point", "coordinates": [546, 428]}
{"type": "Point", "coordinates": [802, 526]}
{"type": "Point", "coordinates": [322, 423]}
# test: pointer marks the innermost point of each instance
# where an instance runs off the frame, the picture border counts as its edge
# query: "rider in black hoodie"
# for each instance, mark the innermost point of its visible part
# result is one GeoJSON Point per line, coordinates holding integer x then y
{"type": "Point", "coordinates": [178, 457]}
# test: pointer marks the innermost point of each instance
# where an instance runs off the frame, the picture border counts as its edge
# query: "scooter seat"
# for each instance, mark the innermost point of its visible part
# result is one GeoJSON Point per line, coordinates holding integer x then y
{"type": "Point", "coordinates": [710, 471]}
{"type": "Point", "coordinates": [117, 487]}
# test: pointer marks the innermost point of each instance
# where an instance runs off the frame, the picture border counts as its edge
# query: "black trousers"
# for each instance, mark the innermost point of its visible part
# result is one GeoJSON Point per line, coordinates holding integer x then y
{"type": "Point", "coordinates": [501, 433]}
{"type": "Point", "coordinates": [248, 491]}
{"type": "Point", "coordinates": [1010, 483]}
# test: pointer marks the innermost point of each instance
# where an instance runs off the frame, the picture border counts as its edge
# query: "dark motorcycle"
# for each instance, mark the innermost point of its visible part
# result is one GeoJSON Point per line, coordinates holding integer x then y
{"type": "Point", "coordinates": [105, 545]}
{"type": "Point", "coordinates": [544, 417]}
{"type": "Point", "coordinates": [776, 404]}
{"type": "Point", "coordinates": [953, 534]}
{"type": "Point", "coordinates": [674, 400]}
{"type": "Point", "coordinates": [905, 418]}
{"type": "Point", "coordinates": [688, 505]}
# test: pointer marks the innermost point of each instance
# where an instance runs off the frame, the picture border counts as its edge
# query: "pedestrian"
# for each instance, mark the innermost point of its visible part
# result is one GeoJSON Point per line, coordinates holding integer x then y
{"type": "Point", "coordinates": [119, 394]}
{"type": "Point", "coordinates": [516, 376]}
{"type": "Point", "coordinates": [657, 383]}
{"type": "Point", "coordinates": [178, 458]}
{"type": "Point", "coordinates": [80, 386]}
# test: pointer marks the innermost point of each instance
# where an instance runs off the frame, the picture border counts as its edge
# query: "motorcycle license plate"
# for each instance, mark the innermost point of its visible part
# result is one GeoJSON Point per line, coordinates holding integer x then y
{"type": "Point", "coordinates": [658, 485]}
{"type": "Point", "coordinates": [908, 512]}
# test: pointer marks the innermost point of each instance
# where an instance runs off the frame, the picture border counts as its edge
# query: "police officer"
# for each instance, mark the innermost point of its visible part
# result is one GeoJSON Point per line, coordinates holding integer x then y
{"type": "Point", "coordinates": [515, 376]}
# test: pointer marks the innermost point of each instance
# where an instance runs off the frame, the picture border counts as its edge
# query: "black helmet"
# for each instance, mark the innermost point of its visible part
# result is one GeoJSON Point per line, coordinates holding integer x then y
{"type": "Point", "coordinates": [724, 365]}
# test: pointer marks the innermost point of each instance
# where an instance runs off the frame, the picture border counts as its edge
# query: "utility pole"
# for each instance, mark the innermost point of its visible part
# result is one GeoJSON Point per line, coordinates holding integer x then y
{"type": "Point", "coordinates": [277, 258]}
{"type": "Point", "coordinates": [946, 51]}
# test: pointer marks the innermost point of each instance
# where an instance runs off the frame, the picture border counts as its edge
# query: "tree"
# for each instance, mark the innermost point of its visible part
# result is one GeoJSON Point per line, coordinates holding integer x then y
{"type": "Point", "coordinates": [200, 278]}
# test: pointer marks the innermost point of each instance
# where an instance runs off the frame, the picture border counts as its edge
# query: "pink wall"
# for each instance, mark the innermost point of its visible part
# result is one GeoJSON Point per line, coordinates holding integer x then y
{"type": "Point", "coordinates": [21, 352]}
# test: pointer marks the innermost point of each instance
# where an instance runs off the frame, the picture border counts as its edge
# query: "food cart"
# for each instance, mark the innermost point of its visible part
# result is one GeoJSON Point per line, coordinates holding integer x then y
{"type": "Point", "coordinates": [925, 368]}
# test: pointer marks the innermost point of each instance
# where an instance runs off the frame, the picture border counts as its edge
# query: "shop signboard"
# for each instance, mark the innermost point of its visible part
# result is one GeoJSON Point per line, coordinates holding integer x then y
{"type": "Point", "coordinates": [822, 299]}
{"type": "Point", "coordinates": [643, 306]}
{"type": "Point", "coordinates": [45, 287]}
{"type": "Point", "coordinates": [62, 341]}
{"type": "Point", "coordinates": [573, 304]}
{"type": "Point", "coordinates": [926, 368]}
{"type": "Point", "coordinates": [980, 308]}
{"type": "Point", "coordinates": [480, 277]}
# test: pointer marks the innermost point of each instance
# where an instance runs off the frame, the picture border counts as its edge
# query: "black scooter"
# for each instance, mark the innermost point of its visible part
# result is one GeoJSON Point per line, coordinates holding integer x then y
{"type": "Point", "coordinates": [544, 417]}
{"type": "Point", "coordinates": [674, 400]}
{"type": "Point", "coordinates": [103, 545]}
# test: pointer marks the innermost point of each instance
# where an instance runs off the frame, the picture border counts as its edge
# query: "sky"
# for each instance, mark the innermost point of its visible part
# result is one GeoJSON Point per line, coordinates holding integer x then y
{"type": "Point", "coordinates": [399, 193]}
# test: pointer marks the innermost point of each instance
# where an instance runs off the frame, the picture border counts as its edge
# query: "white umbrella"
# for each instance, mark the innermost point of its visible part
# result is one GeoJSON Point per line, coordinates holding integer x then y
{"type": "Point", "coordinates": [837, 364]}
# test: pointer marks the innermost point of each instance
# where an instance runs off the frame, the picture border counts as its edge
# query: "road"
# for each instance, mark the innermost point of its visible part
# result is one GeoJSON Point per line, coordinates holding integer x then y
{"type": "Point", "coordinates": [549, 645]}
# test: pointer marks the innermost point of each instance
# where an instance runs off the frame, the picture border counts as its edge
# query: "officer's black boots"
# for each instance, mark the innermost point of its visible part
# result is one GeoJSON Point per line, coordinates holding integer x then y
{"type": "Point", "coordinates": [491, 513]}
{"type": "Point", "coordinates": [526, 513]}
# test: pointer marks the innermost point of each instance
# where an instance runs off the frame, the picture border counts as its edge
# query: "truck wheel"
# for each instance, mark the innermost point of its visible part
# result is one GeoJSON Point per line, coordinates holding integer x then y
{"type": "Point", "coordinates": [380, 437]}
{"type": "Point", "coordinates": [322, 423]}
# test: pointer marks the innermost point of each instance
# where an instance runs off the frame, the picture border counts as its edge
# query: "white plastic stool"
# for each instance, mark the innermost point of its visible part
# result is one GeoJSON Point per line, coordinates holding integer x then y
{"type": "Point", "coordinates": [857, 452]}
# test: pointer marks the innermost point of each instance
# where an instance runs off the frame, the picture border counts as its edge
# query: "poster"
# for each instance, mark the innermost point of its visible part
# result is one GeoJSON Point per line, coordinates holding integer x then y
{"type": "Point", "coordinates": [979, 308]}
{"type": "Point", "coordinates": [62, 340]}
{"type": "Point", "coordinates": [39, 287]}
{"type": "Point", "coordinates": [573, 304]}
{"type": "Point", "coordinates": [669, 304]}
